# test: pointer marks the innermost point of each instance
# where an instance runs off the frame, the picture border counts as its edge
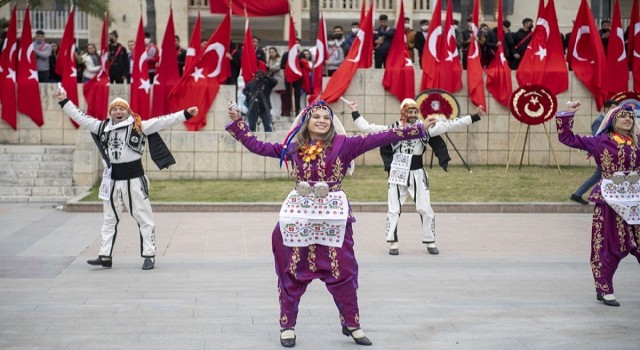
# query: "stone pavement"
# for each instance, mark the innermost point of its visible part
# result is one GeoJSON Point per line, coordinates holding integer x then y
{"type": "Point", "coordinates": [502, 281]}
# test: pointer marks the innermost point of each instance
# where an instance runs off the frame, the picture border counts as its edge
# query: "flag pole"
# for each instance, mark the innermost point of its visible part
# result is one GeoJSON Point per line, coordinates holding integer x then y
{"type": "Point", "coordinates": [292, 111]}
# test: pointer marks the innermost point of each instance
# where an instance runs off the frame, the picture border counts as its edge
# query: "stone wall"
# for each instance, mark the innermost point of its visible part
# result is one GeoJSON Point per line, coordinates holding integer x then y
{"type": "Point", "coordinates": [213, 154]}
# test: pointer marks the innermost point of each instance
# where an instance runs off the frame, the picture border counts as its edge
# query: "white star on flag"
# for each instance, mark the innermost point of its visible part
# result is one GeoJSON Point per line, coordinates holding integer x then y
{"type": "Point", "coordinates": [74, 72]}
{"type": "Point", "coordinates": [197, 74]}
{"type": "Point", "coordinates": [145, 85]}
{"type": "Point", "coordinates": [33, 75]}
{"type": "Point", "coordinates": [542, 52]}
{"type": "Point", "coordinates": [450, 55]}
{"type": "Point", "coordinates": [12, 75]}
{"type": "Point", "coordinates": [156, 80]}
{"type": "Point", "coordinates": [409, 62]}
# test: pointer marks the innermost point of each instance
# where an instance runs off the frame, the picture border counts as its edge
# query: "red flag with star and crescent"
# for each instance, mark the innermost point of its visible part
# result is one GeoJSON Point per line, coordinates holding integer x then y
{"type": "Point", "coordinates": [318, 65]}
{"type": "Point", "coordinates": [617, 77]}
{"type": "Point", "coordinates": [140, 100]}
{"type": "Point", "coordinates": [27, 76]}
{"type": "Point", "coordinates": [96, 90]}
{"type": "Point", "coordinates": [633, 44]}
{"type": "Point", "coordinates": [341, 78]}
{"type": "Point", "coordinates": [475, 80]}
{"type": "Point", "coordinates": [586, 55]}
{"type": "Point", "coordinates": [543, 61]}
{"type": "Point", "coordinates": [199, 84]}
{"type": "Point", "coordinates": [167, 75]}
{"type": "Point", "coordinates": [398, 76]}
{"type": "Point", "coordinates": [193, 51]}
{"type": "Point", "coordinates": [292, 69]}
{"type": "Point", "coordinates": [249, 60]}
{"type": "Point", "coordinates": [66, 62]}
{"type": "Point", "coordinates": [8, 62]}
{"type": "Point", "coordinates": [498, 71]}
{"type": "Point", "coordinates": [441, 58]}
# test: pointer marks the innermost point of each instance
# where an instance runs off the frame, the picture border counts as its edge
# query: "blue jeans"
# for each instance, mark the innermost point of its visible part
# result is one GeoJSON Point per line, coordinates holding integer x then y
{"type": "Point", "coordinates": [590, 182]}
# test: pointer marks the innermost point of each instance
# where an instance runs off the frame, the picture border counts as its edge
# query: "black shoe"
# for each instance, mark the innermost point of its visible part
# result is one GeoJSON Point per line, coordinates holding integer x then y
{"type": "Point", "coordinates": [288, 342]}
{"type": "Point", "coordinates": [612, 302]}
{"type": "Point", "coordinates": [394, 251]}
{"type": "Point", "coordinates": [104, 261]}
{"type": "Point", "coordinates": [578, 199]}
{"type": "Point", "coordinates": [149, 263]}
{"type": "Point", "coordinates": [433, 250]}
{"type": "Point", "coordinates": [360, 341]}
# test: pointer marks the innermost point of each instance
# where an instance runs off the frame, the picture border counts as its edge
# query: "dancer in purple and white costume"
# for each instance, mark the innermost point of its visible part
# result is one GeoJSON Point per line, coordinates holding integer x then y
{"type": "Point", "coordinates": [614, 148]}
{"type": "Point", "coordinates": [319, 156]}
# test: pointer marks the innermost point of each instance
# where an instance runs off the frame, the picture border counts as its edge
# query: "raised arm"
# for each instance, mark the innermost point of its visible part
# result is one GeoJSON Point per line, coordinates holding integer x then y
{"type": "Point", "coordinates": [564, 124]}
{"type": "Point", "coordinates": [444, 126]}
{"type": "Point", "coordinates": [156, 124]}
{"type": "Point", "coordinates": [240, 131]}
{"type": "Point", "coordinates": [362, 124]}
{"type": "Point", "coordinates": [85, 121]}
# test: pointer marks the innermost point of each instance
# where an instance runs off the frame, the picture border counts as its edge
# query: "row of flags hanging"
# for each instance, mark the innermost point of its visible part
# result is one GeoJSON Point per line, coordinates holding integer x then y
{"type": "Point", "coordinates": [543, 62]}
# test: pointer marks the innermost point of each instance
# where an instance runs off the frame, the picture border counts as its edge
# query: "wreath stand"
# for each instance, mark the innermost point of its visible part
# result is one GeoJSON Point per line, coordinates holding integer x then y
{"type": "Point", "coordinates": [526, 136]}
{"type": "Point", "coordinates": [457, 152]}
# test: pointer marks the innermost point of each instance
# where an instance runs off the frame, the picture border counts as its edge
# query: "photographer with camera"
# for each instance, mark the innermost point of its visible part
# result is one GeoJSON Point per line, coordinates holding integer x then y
{"type": "Point", "coordinates": [257, 92]}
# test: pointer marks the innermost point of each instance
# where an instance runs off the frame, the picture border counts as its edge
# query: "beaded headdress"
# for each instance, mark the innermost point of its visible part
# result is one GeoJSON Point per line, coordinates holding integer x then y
{"type": "Point", "coordinates": [614, 113]}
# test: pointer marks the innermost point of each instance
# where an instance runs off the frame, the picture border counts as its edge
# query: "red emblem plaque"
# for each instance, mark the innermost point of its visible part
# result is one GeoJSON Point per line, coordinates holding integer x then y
{"type": "Point", "coordinates": [533, 104]}
{"type": "Point", "coordinates": [437, 103]}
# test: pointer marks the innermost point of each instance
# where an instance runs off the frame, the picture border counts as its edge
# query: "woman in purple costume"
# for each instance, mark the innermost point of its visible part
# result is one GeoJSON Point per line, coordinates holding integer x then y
{"type": "Point", "coordinates": [615, 148]}
{"type": "Point", "coordinates": [318, 154]}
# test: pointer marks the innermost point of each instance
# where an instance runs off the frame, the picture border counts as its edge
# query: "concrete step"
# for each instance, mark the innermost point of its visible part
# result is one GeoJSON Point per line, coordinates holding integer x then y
{"type": "Point", "coordinates": [7, 175]}
{"type": "Point", "coordinates": [28, 157]}
{"type": "Point", "coordinates": [15, 191]}
{"type": "Point", "coordinates": [52, 181]}
{"type": "Point", "coordinates": [18, 181]}
{"type": "Point", "coordinates": [57, 157]}
{"type": "Point", "coordinates": [53, 191]}
{"type": "Point", "coordinates": [32, 199]}
{"type": "Point", "coordinates": [55, 173]}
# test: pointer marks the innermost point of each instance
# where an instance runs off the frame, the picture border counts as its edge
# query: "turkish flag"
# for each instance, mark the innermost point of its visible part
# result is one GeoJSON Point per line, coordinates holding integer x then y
{"type": "Point", "coordinates": [140, 85]}
{"type": "Point", "coordinates": [96, 90]}
{"type": "Point", "coordinates": [498, 71]}
{"type": "Point", "coordinates": [251, 8]}
{"type": "Point", "coordinates": [193, 51]}
{"type": "Point", "coordinates": [167, 75]}
{"type": "Point", "coordinates": [441, 61]}
{"type": "Point", "coordinates": [586, 55]}
{"type": "Point", "coordinates": [475, 83]}
{"type": "Point", "coordinates": [617, 77]}
{"type": "Point", "coordinates": [543, 61]}
{"type": "Point", "coordinates": [27, 77]}
{"type": "Point", "coordinates": [66, 62]}
{"type": "Point", "coordinates": [8, 61]}
{"type": "Point", "coordinates": [367, 48]}
{"type": "Point", "coordinates": [341, 78]}
{"type": "Point", "coordinates": [199, 84]}
{"type": "Point", "coordinates": [318, 65]}
{"type": "Point", "coordinates": [633, 48]}
{"type": "Point", "coordinates": [249, 60]}
{"type": "Point", "coordinates": [398, 76]}
{"type": "Point", "coordinates": [292, 69]}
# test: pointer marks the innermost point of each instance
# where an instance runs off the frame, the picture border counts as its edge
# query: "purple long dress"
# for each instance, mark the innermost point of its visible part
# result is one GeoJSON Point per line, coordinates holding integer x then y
{"type": "Point", "coordinates": [612, 238]}
{"type": "Point", "coordinates": [337, 267]}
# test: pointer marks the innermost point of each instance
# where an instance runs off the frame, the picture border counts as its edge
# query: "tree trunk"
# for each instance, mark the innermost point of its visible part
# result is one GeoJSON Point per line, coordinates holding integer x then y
{"type": "Point", "coordinates": [151, 19]}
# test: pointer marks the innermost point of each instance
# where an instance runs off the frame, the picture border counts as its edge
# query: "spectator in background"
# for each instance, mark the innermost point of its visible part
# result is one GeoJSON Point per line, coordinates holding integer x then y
{"type": "Point", "coordinates": [42, 50]}
{"type": "Point", "coordinates": [605, 29]}
{"type": "Point", "coordinates": [464, 40]}
{"type": "Point", "coordinates": [294, 88]}
{"type": "Point", "coordinates": [130, 45]}
{"type": "Point", "coordinates": [274, 71]}
{"type": "Point", "coordinates": [234, 56]}
{"type": "Point", "coordinates": [118, 60]}
{"type": "Point", "coordinates": [382, 37]}
{"type": "Point", "coordinates": [410, 36]}
{"type": "Point", "coordinates": [355, 28]}
{"type": "Point", "coordinates": [421, 38]}
{"type": "Point", "coordinates": [91, 62]}
{"type": "Point", "coordinates": [521, 39]}
{"type": "Point", "coordinates": [153, 56]}
{"type": "Point", "coordinates": [53, 76]}
{"type": "Point", "coordinates": [336, 54]}
{"type": "Point", "coordinates": [259, 50]}
{"type": "Point", "coordinates": [182, 56]}
{"type": "Point", "coordinates": [487, 52]}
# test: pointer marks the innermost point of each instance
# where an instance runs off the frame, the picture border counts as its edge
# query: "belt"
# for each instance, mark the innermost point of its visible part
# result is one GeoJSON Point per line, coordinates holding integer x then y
{"type": "Point", "coordinates": [126, 171]}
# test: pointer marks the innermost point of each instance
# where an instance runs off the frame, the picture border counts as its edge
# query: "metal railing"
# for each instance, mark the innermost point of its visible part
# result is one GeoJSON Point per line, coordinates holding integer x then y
{"type": "Point", "coordinates": [52, 23]}
{"type": "Point", "coordinates": [339, 5]}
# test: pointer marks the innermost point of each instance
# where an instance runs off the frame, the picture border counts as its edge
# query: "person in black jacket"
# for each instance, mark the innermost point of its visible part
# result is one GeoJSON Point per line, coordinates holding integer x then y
{"type": "Point", "coordinates": [521, 39]}
{"type": "Point", "coordinates": [118, 59]}
{"type": "Point", "coordinates": [421, 37]}
{"type": "Point", "coordinates": [258, 91]}
{"type": "Point", "coordinates": [382, 37]}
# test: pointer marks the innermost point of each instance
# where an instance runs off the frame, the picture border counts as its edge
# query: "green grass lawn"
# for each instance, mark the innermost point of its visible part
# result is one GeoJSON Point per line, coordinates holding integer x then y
{"type": "Point", "coordinates": [369, 184]}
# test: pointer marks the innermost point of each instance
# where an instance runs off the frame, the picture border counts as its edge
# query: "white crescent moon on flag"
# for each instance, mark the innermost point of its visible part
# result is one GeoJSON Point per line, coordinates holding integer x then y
{"type": "Point", "coordinates": [452, 34]}
{"type": "Point", "coordinates": [219, 49]}
{"type": "Point", "coordinates": [360, 36]}
{"type": "Point", "coordinates": [474, 28]}
{"type": "Point", "coordinates": [636, 30]}
{"type": "Point", "coordinates": [475, 53]}
{"type": "Point", "coordinates": [29, 51]}
{"type": "Point", "coordinates": [13, 48]}
{"type": "Point", "coordinates": [433, 40]}
{"type": "Point", "coordinates": [623, 54]}
{"type": "Point", "coordinates": [320, 53]}
{"type": "Point", "coordinates": [543, 22]}
{"type": "Point", "coordinates": [143, 59]}
{"type": "Point", "coordinates": [291, 60]}
{"type": "Point", "coordinates": [582, 30]}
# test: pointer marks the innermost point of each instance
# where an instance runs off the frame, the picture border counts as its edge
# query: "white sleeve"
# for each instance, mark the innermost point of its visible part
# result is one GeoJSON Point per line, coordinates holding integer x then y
{"type": "Point", "coordinates": [85, 121]}
{"type": "Point", "coordinates": [156, 124]}
{"type": "Point", "coordinates": [444, 126]}
{"type": "Point", "coordinates": [365, 126]}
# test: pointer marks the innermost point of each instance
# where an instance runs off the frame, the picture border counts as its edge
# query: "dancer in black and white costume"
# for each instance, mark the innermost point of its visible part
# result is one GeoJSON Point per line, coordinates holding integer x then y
{"type": "Point", "coordinates": [417, 184]}
{"type": "Point", "coordinates": [121, 140]}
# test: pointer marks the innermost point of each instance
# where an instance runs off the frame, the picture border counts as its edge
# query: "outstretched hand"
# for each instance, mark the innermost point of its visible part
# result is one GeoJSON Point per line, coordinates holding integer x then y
{"type": "Point", "coordinates": [573, 106]}
{"type": "Point", "coordinates": [193, 111]}
{"type": "Point", "coordinates": [429, 122]}
{"type": "Point", "coordinates": [480, 110]}
{"type": "Point", "coordinates": [234, 111]}
{"type": "Point", "coordinates": [61, 94]}
{"type": "Point", "coordinates": [353, 105]}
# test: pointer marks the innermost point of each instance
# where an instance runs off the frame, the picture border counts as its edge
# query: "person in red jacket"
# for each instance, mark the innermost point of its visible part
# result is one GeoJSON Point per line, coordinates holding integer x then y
{"type": "Point", "coordinates": [153, 55]}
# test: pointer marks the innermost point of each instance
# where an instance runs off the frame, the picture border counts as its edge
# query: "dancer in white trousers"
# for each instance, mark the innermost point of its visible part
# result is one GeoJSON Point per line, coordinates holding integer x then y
{"type": "Point", "coordinates": [121, 140]}
{"type": "Point", "coordinates": [417, 182]}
